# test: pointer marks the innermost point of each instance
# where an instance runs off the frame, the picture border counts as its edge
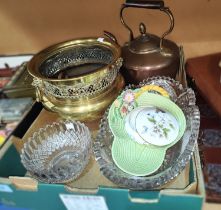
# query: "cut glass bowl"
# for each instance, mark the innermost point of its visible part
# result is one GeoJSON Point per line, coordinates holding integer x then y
{"type": "Point", "coordinates": [177, 156]}
{"type": "Point", "coordinates": [58, 153]}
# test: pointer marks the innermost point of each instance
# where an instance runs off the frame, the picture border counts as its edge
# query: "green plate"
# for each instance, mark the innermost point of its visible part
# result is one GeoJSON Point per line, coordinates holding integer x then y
{"type": "Point", "coordinates": [138, 159]}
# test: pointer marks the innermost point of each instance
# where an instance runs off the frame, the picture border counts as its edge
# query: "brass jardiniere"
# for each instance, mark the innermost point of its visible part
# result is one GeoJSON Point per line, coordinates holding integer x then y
{"type": "Point", "coordinates": [78, 78]}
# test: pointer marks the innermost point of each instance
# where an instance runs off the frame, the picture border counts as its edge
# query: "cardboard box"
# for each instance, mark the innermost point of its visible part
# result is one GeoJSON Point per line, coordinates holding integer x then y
{"type": "Point", "coordinates": [18, 190]}
{"type": "Point", "coordinates": [97, 16]}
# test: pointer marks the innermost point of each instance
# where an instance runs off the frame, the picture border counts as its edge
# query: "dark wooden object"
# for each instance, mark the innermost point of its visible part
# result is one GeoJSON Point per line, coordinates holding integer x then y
{"type": "Point", "coordinates": [206, 74]}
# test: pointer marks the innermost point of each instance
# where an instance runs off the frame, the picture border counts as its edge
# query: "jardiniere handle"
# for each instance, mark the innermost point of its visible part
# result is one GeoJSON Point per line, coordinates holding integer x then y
{"type": "Point", "coordinates": [110, 36]}
{"type": "Point", "coordinates": [147, 5]}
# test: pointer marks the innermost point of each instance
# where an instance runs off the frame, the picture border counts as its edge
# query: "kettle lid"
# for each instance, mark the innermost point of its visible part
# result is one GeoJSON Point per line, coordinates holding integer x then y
{"type": "Point", "coordinates": [144, 43]}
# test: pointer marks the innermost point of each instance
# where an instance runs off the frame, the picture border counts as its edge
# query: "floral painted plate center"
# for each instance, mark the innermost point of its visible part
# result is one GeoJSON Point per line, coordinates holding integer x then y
{"type": "Point", "coordinates": [151, 125]}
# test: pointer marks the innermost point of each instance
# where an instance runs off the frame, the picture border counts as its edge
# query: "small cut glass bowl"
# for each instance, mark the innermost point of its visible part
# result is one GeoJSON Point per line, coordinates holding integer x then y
{"type": "Point", "coordinates": [59, 152]}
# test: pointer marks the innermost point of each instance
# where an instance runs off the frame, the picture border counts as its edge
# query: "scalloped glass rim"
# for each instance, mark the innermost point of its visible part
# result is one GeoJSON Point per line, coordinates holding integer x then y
{"type": "Point", "coordinates": [101, 147]}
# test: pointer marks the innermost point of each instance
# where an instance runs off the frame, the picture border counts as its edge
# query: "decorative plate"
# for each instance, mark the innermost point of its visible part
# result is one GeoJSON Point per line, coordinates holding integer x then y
{"type": "Point", "coordinates": [127, 152]}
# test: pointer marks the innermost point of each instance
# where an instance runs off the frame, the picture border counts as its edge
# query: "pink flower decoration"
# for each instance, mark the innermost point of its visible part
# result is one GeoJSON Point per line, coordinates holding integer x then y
{"type": "Point", "coordinates": [128, 96]}
{"type": "Point", "coordinates": [123, 111]}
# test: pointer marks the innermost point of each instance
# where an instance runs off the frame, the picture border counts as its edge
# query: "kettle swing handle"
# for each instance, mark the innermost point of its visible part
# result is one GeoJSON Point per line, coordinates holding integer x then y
{"type": "Point", "coordinates": [147, 4]}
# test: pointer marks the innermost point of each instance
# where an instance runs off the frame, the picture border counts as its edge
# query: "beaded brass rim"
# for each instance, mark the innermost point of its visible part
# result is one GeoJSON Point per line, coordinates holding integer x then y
{"type": "Point", "coordinates": [42, 56]}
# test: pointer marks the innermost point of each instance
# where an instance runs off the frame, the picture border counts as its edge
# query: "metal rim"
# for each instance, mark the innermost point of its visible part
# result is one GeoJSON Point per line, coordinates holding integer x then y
{"type": "Point", "coordinates": [39, 58]}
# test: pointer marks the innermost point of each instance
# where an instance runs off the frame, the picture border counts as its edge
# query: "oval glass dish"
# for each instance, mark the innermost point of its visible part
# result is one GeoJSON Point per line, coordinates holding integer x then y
{"type": "Point", "coordinates": [176, 157]}
{"type": "Point", "coordinates": [57, 153]}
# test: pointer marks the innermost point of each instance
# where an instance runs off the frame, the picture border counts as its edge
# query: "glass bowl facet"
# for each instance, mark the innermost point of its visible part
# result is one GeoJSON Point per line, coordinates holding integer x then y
{"type": "Point", "coordinates": [176, 157]}
{"type": "Point", "coordinates": [59, 152]}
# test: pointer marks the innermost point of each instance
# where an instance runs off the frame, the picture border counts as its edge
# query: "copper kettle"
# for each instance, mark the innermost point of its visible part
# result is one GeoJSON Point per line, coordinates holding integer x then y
{"type": "Point", "coordinates": [148, 55]}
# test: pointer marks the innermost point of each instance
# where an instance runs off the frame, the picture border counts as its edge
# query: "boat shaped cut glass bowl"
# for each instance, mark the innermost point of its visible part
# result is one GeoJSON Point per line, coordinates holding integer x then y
{"type": "Point", "coordinates": [176, 157]}
{"type": "Point", "coordinates": [58, 153]}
